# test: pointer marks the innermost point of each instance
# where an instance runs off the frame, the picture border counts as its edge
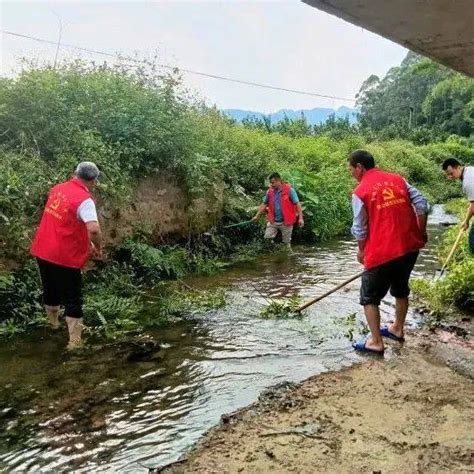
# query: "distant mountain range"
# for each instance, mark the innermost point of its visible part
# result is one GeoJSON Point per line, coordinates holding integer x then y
{"type": "Point", "coordinates": [315, 116]}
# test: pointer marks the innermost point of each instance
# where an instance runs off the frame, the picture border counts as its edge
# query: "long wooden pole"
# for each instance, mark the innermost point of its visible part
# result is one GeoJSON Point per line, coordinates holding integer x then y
{"type": "Point", "coordinates": [451, 253]}
{"type": "Point", "coordinates": [236, 225]}
{"type": "Point", "coordinates": [330, 292]}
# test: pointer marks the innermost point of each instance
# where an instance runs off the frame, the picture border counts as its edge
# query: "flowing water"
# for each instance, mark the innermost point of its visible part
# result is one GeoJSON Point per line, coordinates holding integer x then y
{"type": "Point", "coordinates": [100, 412]}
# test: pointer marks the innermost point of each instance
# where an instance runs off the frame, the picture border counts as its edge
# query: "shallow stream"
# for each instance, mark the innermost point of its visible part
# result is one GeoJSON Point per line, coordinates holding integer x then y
{"type": "Point", "coordinates": [100, 412]}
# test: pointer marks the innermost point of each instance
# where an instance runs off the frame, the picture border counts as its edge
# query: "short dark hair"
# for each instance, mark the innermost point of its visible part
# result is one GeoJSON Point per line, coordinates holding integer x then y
{"type": "Point", "coordinates": [274, 176]}
{"type": "Point", "coordinates": [450, 162]}
{"type": "Point", "coordinates": [362, 157]}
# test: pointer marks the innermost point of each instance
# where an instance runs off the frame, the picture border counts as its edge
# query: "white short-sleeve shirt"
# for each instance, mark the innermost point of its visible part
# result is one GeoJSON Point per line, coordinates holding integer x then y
{"type": "Point", "coordinates": [87, 212]}
{"type": "Point", "coordinates": [468, 182]}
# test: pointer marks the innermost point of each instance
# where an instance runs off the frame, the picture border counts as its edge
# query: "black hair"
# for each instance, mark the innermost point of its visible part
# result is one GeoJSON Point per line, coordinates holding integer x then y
{"type": "Point", "coordinates": [450, 162]}
{"type": "Point", "coordinates": [362, 157]}
{"type": "Point", "coordinates": [274, 176]}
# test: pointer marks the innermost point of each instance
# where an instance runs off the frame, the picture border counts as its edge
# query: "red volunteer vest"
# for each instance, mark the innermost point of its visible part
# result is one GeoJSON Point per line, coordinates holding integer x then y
{"type": "Point", "coordinates": [392, 225]}
{"type": "Point", "coordinates": [288, 209]}
{"type": "Point", "coordinates": [61, 237]}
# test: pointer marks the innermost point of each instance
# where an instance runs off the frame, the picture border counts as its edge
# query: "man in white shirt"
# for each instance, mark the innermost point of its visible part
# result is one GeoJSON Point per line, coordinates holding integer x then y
{"type": "Point", "coordinates": [455, 170]}
{"type": "Point", "coordinates": [68, 234]}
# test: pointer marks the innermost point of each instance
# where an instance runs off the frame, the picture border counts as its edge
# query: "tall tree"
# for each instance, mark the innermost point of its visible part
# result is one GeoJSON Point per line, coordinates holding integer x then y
{"type": "Point", "coordinates": [449, 105]}
{"type": "Point", "coordinates": [418, 93]}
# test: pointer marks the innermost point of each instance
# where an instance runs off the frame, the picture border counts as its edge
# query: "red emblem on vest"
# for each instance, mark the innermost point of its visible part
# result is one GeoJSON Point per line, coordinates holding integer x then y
{"type": "Point", "coordinates": [393, 225]}
{"type": "Point", "coordinates": [61, 237]}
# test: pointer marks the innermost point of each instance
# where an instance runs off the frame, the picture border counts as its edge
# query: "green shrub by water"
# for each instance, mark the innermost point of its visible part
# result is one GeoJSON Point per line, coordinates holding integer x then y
{"type": "Point", "coordinates": [282, 309]}
{"type": "Point", "coordinates": [456, 289]}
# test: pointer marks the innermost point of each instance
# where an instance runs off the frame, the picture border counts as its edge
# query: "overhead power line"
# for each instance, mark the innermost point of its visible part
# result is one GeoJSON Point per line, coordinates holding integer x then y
{"type": "Point", "coordinates": [188, 71]}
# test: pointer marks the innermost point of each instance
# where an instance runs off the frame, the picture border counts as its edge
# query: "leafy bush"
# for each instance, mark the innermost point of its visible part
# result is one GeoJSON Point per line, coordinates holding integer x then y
{"type": "Point", "coordinates": [123, 107]}
{"type": "Point", "coordinates": [20, 296]}
{"type": "Point", "coordinates": [456, 288]}
{"type": "Point", "coordinates": [112, 314]}
{"type": "Point", "coordinates": [24, 182]}
{"type": "Point", "coordinates": [150, 264]}
{"type": "Point", "coordinates": [326, 202]}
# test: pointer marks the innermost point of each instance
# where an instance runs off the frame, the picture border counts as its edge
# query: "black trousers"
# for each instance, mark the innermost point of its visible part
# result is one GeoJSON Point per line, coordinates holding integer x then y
{"type": "Point", "coordinates": [393, 276]}
{"type": "Point", "coordinates": [62, 286]}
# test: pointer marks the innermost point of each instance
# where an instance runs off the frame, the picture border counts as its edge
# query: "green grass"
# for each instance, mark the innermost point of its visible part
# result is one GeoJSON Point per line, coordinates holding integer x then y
{"type": "Point", "coordinates": [443, 297]}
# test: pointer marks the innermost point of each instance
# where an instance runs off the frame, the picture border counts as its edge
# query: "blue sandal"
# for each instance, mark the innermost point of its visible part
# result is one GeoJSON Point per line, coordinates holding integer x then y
{"type": "Point", "coordinates": [361, 347]}
{"type": "Point", "coordinates": [386, 333]}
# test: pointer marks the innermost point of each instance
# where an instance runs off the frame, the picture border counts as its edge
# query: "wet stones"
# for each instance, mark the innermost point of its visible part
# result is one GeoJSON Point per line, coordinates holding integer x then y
{"type": "Point", "coordinates": [140, 349]}
{"type": "Point", "coordinates": [143, 351]}
{"type": "Point", "coordinates": [281, 396]}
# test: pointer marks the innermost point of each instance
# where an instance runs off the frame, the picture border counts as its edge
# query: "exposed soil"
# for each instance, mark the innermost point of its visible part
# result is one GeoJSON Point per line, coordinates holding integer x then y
{"type": "Point", "coordinates": [406, 413]}
{"type": "Point", "coordinates": [161, 206]}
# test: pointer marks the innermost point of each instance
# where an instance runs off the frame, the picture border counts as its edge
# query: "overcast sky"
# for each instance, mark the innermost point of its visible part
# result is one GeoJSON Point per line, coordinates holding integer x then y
{"type": "Point", "coordinates": [284, 43]}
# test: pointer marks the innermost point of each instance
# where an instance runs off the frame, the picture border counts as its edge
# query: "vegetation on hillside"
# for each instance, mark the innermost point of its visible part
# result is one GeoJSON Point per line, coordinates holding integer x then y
{"type": "Point", "coordinates": [134, 123]}
{"type": "Point", "coordinates": [420, 100]}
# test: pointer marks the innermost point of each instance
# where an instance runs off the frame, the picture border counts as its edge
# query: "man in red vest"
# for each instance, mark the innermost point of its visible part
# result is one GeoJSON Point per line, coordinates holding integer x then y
{"type": "Point", "coordinates": [283, 208]}
{"type": "Point", "coordinates": [390, 226]}
{"type": "Point", "coordinates": [67, 235]}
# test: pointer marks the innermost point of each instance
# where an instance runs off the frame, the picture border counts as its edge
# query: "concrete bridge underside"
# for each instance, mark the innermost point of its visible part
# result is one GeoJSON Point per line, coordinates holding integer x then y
{"type": "Point", "coordinates": [440, 29]}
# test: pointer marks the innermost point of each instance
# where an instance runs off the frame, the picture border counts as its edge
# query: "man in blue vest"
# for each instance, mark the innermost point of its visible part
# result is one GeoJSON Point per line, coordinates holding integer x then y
{"type": "Point", "coordinates": [283, 207]}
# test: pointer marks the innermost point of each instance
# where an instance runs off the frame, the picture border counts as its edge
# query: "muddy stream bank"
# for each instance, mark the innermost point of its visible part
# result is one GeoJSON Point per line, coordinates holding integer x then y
{"type": "Point", "coordinates": [103, 411]}
{"type": "Point", "coordinates": [408, 414]}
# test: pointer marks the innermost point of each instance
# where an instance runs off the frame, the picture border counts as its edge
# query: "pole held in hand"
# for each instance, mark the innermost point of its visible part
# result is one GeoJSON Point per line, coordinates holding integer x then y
{"type": "Point", "coordinates": [330, 292]}
{"type": "Point", "coordinates": [237, 225]}
{"type": "Point", "coordinates": [451, 253]}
